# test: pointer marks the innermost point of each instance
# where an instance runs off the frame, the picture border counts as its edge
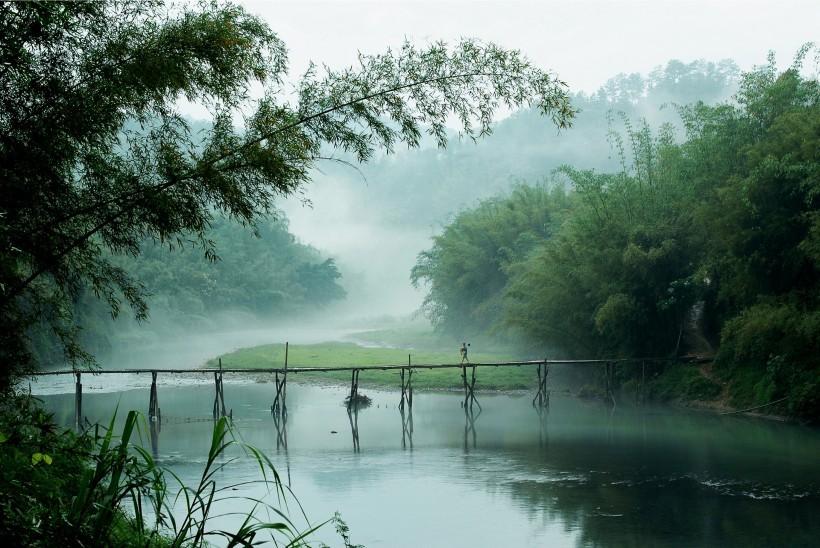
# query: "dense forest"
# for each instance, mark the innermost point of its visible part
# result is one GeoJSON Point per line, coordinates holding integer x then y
{"type": "Point", "coordinates": [702, 238]}
{"type": "Point", "coordinates": [265, 273]}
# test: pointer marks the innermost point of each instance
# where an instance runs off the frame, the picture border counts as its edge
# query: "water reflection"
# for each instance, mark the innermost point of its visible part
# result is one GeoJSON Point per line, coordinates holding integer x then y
{"type": "Point", "coordinates": [470, 416]}
{"type": "Point", "coordinates": [406, 426]}
{"type": "Point", "coordinates": [543, 432]}
{"type": "Point", "coordinates": [280, 422]}
{"type": "Point", "coordinates": [155, 427]}
{"type": "Point", "coordinates": [353, 417]}
{"type": "Point", "coordinates": [636, 477]}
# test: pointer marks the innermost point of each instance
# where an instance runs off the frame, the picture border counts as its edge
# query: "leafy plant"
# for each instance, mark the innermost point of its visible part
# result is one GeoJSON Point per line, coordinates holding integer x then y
{"type": "Point", "coordinates": [102, 490]}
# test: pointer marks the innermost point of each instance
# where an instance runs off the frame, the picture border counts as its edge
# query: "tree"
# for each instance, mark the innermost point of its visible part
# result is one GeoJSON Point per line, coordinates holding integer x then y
{"type": "Point", "coordinates": [466, 269]}
{"type": "Point", "coordinates": [77, 182]}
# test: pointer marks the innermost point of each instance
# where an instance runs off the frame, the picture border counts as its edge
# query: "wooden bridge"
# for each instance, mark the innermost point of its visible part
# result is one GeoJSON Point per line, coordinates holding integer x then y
{"type": "Point", "coordinates": [405, 371]}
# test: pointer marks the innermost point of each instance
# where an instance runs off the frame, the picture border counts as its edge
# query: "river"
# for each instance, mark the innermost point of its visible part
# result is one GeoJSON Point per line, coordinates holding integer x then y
{"type": "Point", "coordinates": [507, 476]}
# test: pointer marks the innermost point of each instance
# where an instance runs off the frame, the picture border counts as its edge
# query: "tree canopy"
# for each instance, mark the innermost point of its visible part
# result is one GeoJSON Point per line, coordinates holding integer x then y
{"type": "Point", "coordinates": [79, 182]}
{"type": "Point", "coordinates": [707, 240]}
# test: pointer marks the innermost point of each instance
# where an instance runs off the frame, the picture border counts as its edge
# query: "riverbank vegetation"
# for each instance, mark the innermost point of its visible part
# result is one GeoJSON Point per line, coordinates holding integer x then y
{"type": "Point", "coordinates": [99, 489]}
{"type": "Point", "coordinates": [700, 242]}
{"type": "Point", "coordinates": [278, 277]}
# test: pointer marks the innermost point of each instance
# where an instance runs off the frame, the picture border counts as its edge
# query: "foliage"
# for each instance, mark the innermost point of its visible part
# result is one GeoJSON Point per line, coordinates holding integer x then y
{"type": "Point", "coordinates": [770, 351]}
{"type": "Point", "coordinates": [267, 275]}
{"type": "Point", "coordinates": [90, 489]}
{"type": "Point", "coordinates": [715, 234]}
{"type": "Point", "coordinates": [467, 266]}
{"type": "Point", "coordinates": [682, 381]}
{"type": "Point", "coordinates": [618, 279]}
{"type": "Point", "coordinates": [79, 184]}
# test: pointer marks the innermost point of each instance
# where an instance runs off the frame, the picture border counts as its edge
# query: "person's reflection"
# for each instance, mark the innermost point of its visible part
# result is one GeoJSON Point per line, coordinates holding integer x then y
{"type": "Point", "coordinates": [406, 427]}
{"type": "Point", "coordinates": [470, 417]}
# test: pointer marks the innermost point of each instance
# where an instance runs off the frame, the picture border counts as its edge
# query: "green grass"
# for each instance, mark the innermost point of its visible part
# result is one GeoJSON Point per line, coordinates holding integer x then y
{"type": "Point", "coordinates": [347, 354]}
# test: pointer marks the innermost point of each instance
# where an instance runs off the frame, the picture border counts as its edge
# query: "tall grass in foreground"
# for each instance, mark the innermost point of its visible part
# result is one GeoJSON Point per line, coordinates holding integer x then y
{"type": "Point", "coordinates": [126, 473]}
{"type": "Point", "coordinates": [99, 489]}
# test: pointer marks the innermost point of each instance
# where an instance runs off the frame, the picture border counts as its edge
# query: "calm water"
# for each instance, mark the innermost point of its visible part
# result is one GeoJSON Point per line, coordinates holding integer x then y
{"type": "Point", "coordinates": [579, 476]}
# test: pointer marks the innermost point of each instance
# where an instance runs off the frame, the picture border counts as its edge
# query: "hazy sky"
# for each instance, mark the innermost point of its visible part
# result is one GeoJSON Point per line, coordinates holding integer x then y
{"type": "Point", "coordinates": [585, 42]}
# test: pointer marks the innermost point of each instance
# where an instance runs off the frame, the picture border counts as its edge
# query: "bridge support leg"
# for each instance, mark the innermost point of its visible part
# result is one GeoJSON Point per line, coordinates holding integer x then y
{"type": "Point", "coordinates": [542, 396]}
{"type": "Point", "coordinates": [469, 387]}
{"type": "Point", "coordinates": [153, 403]}
{"type": "Point", "coordinates": [353, 417]}
{"type": "Point", "coordinates": [219, 397]}
{"type": "Point", "coordinates": [353, 398]}
{"type": "Point", "coordinates": [406, 386]}
{"type": "Point", "coordinates": [410, 390]}
{"type": "Point", "coordinates": [406, 427]}
{"type": "Point", "coordinates": [78, 402]}
{"type": "Point", "coordinates": [403, 390]}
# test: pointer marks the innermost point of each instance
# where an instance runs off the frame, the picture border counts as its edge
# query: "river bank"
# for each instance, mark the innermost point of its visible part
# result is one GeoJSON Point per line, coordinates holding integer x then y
{"type": "Point", "coordinates": [691, 386]}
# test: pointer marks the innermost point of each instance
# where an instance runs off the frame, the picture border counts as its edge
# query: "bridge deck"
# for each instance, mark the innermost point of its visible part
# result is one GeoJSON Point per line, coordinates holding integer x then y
{"type": "Point", "coordinates": [324, 369]}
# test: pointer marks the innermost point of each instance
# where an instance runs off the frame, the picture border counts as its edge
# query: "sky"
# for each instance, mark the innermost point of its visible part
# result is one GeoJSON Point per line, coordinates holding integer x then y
{"type": "Point", "coordinates": [584, 42]}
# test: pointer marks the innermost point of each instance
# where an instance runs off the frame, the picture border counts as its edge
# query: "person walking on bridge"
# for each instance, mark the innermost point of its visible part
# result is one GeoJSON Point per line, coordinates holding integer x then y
{"type": "Point", "coordinates": [463, 351]}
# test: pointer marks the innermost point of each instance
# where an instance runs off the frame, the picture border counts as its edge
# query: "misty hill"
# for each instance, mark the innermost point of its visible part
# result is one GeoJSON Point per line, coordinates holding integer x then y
{"type": "Point", "coordinates": [425, 187]}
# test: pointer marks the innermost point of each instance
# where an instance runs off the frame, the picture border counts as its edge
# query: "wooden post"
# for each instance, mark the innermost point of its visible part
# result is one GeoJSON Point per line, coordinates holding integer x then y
{"type": "Point", "coordinates": [352, 384]}
{"type": "Point", "coordinates": [285, 379]}
{"type": "Point", "coordinates": [78, 401]}
{"type": "Point", "coordinates": [542, 396]}
{"type": "Point", "coordinates": [153, 402]}
{"type": "Point", "coordinates": [410, 390]}
{"type": "Point", "coordinates": [275, 405]}
{"type": "Point", "coordinates": [219, 397]}
{"type": "Point", "coordinates": [281, 387]}
{"type": "Point", "coordinates": [353, 417]}
{"type": "Point", "coordinates": [216, 395]}
{"type": "Point", "coordinates": [473, 399]}
{"type": "Point", "coordinates": [406, 386]}
{"type": "Point", "coordinates": [464, 380]}
{"type": "Point", "coordinates": [401, 378]}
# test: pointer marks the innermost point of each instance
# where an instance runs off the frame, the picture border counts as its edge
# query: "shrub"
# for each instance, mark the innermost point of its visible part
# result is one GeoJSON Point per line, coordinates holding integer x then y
{"type": "Point", "coordinates": [772, 351]}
